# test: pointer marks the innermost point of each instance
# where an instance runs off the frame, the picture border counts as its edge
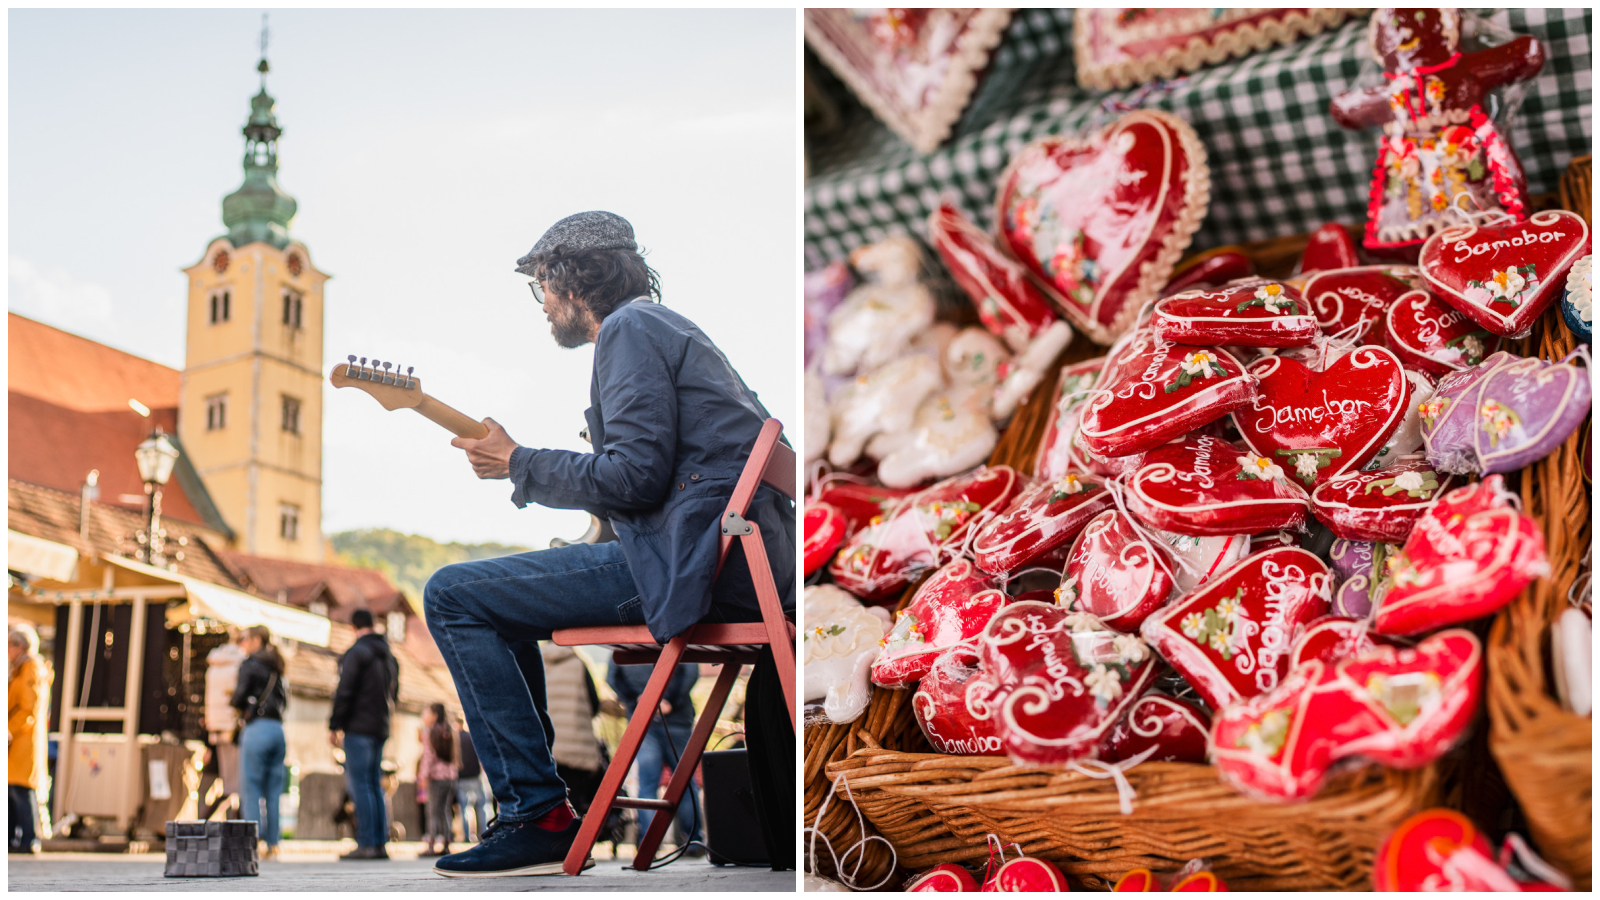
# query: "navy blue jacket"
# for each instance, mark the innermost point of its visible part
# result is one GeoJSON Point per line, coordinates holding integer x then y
{"type": "Point", "coordinates": [671, 423]}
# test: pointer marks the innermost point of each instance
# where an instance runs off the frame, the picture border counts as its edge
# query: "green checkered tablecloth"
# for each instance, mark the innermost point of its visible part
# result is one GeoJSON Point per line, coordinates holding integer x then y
{"type": "Point", "coordinates": [1279, 163]}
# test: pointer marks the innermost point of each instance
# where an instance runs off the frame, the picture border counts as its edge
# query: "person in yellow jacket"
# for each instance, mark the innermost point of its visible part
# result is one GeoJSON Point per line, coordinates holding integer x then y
{"type": "Point", "coordinates": [27, 720]}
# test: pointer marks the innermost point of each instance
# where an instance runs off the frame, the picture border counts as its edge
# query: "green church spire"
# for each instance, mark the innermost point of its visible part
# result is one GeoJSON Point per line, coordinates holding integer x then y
{"type": "Point", "coordinates": [260, 210]}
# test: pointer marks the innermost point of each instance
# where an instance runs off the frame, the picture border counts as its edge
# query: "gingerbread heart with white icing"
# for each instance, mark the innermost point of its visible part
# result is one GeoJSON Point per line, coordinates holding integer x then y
{"type": "Point", "coordinates": [1467, 556]}
{"type": "Point", "coordinates": [1322, 424]}
{"type": "Point", "coordinates": [1153, 390]}
{"type": "Point", "coordinates": [1054, 682]}
{"type": "Point", "coordinates": [1207, 486]}
{"type": "Point", "coordinates": [1041, 519]}
{"type": "Point", "coordinates": [950, 608]}
{"type": "Point", "coordinates": [1254, 312]}
{"type": "Point", "coordinates": [1100, 222]}
{"type": "Point", "coordinates": [1355, 299]}
{"type": "Point", "coordinates": [940, 705]}
{"type": "Point", "coordinates": [1330, 639]}
{"type": "Point", "coordinates": [1008, 304]}
{"type": "Point", "coordinates": [1115, 572]}
{"type": "Point", "coordinates": [1329, 247]}
{"type": "Point", "coordinates": [1505, 276]}
{"type": "Point", "coordinates": [1515, 412]}
{"type": "Point", "coordinates": [1026, 874]}
{"type": "Point", "coordinates": [1379, 506]}
{"type": "Point", "coordinates": [1180, 732]}
{"type": "Point", "coordinates": [1434, 337]}
{"type": "Point", "coordinates": [1230, 638]}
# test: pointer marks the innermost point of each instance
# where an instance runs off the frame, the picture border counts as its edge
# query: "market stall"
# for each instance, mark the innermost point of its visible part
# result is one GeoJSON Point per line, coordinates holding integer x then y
{"type": "Point", "coordinates": [1200, 488]}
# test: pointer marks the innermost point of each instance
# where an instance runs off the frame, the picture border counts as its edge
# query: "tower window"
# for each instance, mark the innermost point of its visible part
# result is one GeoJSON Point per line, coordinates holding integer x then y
{"type": "Point", "coordinates": [291, 414]}
{"type": "Point", "coordinates": [220, 301]}
{"type": "Point", "coordinates": [289, 521]}
{"type": "Point", "coordinates": [292, 304]}
{"type": "Point", "coordinates": [216, 412]}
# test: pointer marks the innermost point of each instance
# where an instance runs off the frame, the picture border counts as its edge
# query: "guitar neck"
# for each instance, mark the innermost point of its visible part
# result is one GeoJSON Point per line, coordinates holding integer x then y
{"type": "Point", "coordinates": [451, 418]}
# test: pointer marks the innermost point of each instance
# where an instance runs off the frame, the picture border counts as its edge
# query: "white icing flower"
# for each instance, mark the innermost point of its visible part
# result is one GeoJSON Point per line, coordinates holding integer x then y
{"type": "Point", "coordinates": [1505, 285]}
{"type": "Point", "coordinates": [1219, 641]}
{"type": "Point", "coordinates": [1273, 300]}
{"type": "Point", "coordinates": [1260, 467]}
{"type": "Point", "coordinates": [1104, 683]}
{"type": "Point", "coordinates": [1192, 626]}
{"type": "Point", "coordinates": [1580, 288]}
{"type": "Point", "coordinates": [1069, 484]}
{"type": "Point", "coordinates": [1082, 621]}
{"type": "Point", "coordinates": [1129, 648]}
{"type": "Point", "coordinates": [1201, 363]}
{"type": "Point", "coordinates": [1227, 606]}
{"type": "Point", "coordinates": [1408, 481]}
{"type": "Point", "coordinates": [1472, 346]}
{"type": "Point", "coordinates": [1305, 465]}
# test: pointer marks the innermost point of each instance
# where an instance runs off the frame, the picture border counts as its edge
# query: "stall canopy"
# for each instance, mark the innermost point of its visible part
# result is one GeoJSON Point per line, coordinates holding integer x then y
{"type": "Point", "coordinates": [213, 601]}
{"type": "Point", "coordinates": [40, 558]}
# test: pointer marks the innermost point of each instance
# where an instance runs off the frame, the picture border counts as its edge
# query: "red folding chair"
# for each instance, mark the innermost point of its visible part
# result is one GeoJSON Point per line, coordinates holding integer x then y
{"type": "Point", "coordinates": [731, 645]}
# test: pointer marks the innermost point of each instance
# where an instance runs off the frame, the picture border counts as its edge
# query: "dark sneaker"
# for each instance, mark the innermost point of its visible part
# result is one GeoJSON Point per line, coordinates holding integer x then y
{"type": "Point", "coordinates": [513, 848]}
{"type": "Point", "coordinates": [367, 853]}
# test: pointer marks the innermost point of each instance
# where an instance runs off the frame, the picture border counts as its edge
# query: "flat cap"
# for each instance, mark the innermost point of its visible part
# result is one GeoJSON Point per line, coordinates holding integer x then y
{"type": "Point", "coordinates": [593, 230]}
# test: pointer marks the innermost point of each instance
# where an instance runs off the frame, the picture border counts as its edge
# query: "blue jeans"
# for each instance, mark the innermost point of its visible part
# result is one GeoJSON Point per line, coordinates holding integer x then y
{"type": "Point", "coordinates": [469, 793]}
{"type": "Point", "coordinates": [363, 775]}
{"type": "Point", "coordinates": [655, 753]}
{"type": "Point", "coordinates": [261, 752]}
{"type": "Point", "coordinates": [20, 835]}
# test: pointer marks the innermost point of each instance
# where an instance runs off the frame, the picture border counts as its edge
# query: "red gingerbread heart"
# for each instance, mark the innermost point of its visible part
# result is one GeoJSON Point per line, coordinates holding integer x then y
{"type": "Point", "coordinates": [1008, 304]}
{"type": "Point", "coordinates": [1055, 682]}
{"type": "Point", "coordinates": [943, 878]}
{"type": "Point", "coordinates": [1254, 312]}
{"type": "Point", "coordinates": [922, 531]}
{"type": "Point", "coordinates": [1153, 390]}
{"type": "Point", "coordinates": [1330, 247]}
{"type": "Point", "coordinates": [1027, 873]}
{"type": "Point", "coordinates": [1099, 223]}
{"type": "Point", "coordinates": [1207, 486]}
{"type": "Point", "coordinates": [860, 503]}
{"type": "Point", "coordinates": [1433, 337]}
{"type": "Point", "coordinates": [1061, 450]}
{"type": "Point", "coordinates": [1441, 850]}
{"type": "Point", "coordinates": [1043, 518]}
{"type": "Point", "coordinates": [950, 608]}
{"type": "Point", "coordinates": [1466, 557]}
{"type": "Point", "coordinates": [940, 705]}
{"type": "Point", "coordinates": [1379, 506]}
{"type": "Point", "coordinates": [1425, 696]}
{"type": "Point", "coordinates": [1505, 276]}
{"type": "Point", "coordinates": [1330, 639]}
{"type": "Point", "coordinates": [1321, 424]}
{"type": "Point", "coordinates": [1116, 572]}
{"type": "Point", "coordinates": [1180, 732]}
{"type": "Point", "coordinates": [1230, 638]}
{"type": "Point", "coordinates": [825, 528]}
{"type": "Point", "coordinates": [1344, 299]}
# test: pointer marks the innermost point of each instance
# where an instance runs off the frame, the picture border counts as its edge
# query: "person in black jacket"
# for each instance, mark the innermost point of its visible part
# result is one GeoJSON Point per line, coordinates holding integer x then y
{"type": "Point", "coordinates": [260, 698]}
{"type": "Point", "coordinates": [363, 705]}
{"type": "Point", "coordinates": [670, 426]}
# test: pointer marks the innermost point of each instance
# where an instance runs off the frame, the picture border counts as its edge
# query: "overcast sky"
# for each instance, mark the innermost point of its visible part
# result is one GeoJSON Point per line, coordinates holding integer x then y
{"type": "Point", "coordinates": [427, 150]}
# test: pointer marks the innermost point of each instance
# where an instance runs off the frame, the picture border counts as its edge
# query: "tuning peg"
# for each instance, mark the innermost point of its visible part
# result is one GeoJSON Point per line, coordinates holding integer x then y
{"type": "Point", "coordinates": [352, 358]}
{"type": "Point", "coordinates": [387, 378]}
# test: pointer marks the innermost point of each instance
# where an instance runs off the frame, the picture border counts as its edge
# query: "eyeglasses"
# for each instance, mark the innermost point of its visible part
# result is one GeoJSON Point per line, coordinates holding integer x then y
{"type": "Point", "coordinates": [538, 292]}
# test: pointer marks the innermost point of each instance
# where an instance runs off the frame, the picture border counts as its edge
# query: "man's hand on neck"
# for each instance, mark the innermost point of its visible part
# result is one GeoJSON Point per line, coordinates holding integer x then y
{"type": "Point", "coordinates": [491, 456]}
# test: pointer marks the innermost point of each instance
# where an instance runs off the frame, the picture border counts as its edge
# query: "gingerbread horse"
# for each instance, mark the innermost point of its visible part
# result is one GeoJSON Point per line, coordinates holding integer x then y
{"type": "Point", "coordinates": [1441, 160]}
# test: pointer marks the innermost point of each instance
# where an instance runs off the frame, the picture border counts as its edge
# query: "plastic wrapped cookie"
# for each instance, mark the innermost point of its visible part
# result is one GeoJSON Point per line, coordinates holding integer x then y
{"type": "Point", "coordinates": [840, 641]}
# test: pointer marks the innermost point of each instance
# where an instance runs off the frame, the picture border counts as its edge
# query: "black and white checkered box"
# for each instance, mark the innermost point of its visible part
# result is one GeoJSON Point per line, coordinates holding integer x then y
{"type": "Point", "coordinates": [211, 849]}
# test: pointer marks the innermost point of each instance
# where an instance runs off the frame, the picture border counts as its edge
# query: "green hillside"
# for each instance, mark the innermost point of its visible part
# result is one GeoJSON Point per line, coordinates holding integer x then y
{"type": "Point", "coordinates": [409, 559]}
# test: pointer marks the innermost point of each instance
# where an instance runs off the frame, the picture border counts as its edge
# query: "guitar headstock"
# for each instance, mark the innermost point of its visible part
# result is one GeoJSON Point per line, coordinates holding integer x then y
{"type": "Point", "coordinates": [391, 389]}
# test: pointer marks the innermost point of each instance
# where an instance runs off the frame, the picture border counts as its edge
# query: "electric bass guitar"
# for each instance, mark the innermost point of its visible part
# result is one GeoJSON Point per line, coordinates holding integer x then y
{"type": "Point", "coordinates": [394, 391]}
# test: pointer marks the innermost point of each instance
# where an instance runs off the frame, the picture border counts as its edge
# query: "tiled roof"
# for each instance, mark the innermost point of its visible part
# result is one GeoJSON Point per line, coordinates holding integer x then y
{"type": "Point", "coordinates": [77, 373]}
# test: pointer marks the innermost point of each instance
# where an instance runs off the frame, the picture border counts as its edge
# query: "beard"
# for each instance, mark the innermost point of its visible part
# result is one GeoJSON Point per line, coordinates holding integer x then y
{"type": "Point", "coordinates": [569, 326]}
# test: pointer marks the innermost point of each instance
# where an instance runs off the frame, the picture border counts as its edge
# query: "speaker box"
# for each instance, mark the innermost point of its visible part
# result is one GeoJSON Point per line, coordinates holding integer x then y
{"type": "Point", "coordinates": [733, 831]}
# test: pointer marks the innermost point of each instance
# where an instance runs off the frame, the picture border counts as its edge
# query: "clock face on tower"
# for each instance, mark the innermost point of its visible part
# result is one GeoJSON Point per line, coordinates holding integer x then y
{"type": "Point", "coordinates": [294, 264]}
{"type": "Point", "coordinates": [220, 261]}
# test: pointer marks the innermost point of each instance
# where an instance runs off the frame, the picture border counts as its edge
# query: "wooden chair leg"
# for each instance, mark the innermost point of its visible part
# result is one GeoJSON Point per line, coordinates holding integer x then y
{"type": "Point", "coordinates": [688, 761]}
{"type": "Point", "coordinates": [626, 751]}
{"type": "Point", "coordinates": [778, 633]}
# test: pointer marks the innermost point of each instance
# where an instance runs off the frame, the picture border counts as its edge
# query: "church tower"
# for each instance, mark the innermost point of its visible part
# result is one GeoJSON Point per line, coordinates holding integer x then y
{"type": "Point", "coordinates": [250, 407]}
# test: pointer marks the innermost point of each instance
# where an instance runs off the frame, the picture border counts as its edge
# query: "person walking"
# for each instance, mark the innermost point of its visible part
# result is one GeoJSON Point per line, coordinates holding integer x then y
{"type": "Point", "coordinates": [363, 708]}
{"type": "Point", "coordinates": [27, 719]}
{"type": "Point", "coordinates": [260, 698]}
{"type": "Point", "coordinates": [469, 788]}
{"type": "Point", "coordinates": [662, 743]}
{"type": "Point", "coordinates": [439, 755]}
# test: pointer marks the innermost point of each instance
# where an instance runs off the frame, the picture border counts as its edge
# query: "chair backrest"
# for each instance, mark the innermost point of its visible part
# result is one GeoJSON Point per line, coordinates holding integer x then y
{"type": "Point", "coordinates": [771, 462]}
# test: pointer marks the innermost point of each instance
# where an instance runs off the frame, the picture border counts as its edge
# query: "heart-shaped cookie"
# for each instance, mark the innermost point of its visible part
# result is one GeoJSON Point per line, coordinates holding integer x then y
{"type": "Point", "coordinates": [1060, 449]}
{"type": "Point", "coordinates": [1505, 276]}
{"type": "Point", "coordinates": [1379, 506]}
{"type": "Point", "coordinates": [1467, 556]}
{"type": "Point", "coordinates": [1330, 247]}
{"type": "Point", "coordinates": [1433, 336]}
{"type": "Point", "coordinates": [1054, 682]}
{"type": "Point", "coordinates": [1008, 304]}
{"type": "Point", "coordinates": [825, 530]}
{"type": "Point", "coordinates": [1355, 299]}
{"type": "Point", "coordinates": [1207, 486]}
{"type": "Point", "coordinates": [950, 608]}
{"type": "Point", "coordinates": [1043, 518]}
{"type": "Point", "coordinates": [1330, 639]}
{"type": "Point", "coordinates": [940, 705]}
{"type": "Point", "coordinates": [1100, 222]}
{"type": "Point", "coordinates": [860, 503]}
{"type": "Point", "coordinates": [1180, 731]}
{"type": "Point", "coordinates": [1517, 411]}
{"type": "Point", "coordinates": [1115, 572]}
{"type": "Point", "coordinates": [1230, 638]}
{"type": "Point", "coordinates": [943, 878]}
{"type": "Point", "coordinates": [1153, 390]}
{"type": "Point", "coordinates": [1322, 424]}
{"type": "Point", "coordinates": [1440, 849]}
{"type": "Point", "coordinates": [1254, 312]}
{"type": "Point", "coordinates": [1425, 696]}
{"type": "Point", "coordinates": [1027, 873]}
{"type": "Point", "coordinates": [924, 530]}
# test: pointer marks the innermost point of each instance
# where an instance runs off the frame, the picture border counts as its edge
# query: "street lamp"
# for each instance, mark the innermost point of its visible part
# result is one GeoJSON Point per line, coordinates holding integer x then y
{"type": "Point", "coordinates": [156, 456]}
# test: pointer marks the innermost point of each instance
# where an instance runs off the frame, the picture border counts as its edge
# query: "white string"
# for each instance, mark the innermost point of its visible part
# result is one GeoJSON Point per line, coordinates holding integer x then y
{"type": "Point", "coordinates": [1580, 352]}
{"type": "Point", "coordinates": [1116, 487]}
{"type": "Point", "coordinates": [815, 830]}
{"type": "Point", "coordinates": [1114, 771]}
{"type": "Point", "coordinates": [1516, 847]}
{"type": "Point", "coordinates": [1464, 864]}
{"type": "Point", "coordinates": [1345, 339]}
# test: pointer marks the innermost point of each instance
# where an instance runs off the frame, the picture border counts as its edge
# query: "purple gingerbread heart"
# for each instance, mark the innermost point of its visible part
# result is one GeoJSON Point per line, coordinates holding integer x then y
{"type": "Point", "coordinates": [1504, 413]}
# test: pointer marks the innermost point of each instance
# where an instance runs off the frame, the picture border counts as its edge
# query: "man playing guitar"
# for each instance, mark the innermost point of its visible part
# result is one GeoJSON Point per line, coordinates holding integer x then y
{"type": "Point", "coordinates": [671, 424]}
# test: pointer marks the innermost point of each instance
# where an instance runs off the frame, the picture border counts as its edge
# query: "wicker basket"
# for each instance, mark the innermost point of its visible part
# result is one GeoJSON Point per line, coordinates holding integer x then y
{"type": "Point", "coordinates": [1545, 751]}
